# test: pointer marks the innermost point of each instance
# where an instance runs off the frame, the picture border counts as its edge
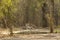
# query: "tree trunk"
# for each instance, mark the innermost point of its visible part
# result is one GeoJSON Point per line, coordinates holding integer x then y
{"type": "Point", "coordinates": [49, 16]}
{"type": "Point", "coordinates": [9, 22]}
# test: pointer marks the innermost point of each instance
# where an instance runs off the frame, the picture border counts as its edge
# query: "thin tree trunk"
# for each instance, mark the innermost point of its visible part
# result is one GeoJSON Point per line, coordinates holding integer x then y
{"type": "Point", "coordinates": [9, 22]}
{"type": "Point", "coordinates": [49, 16]}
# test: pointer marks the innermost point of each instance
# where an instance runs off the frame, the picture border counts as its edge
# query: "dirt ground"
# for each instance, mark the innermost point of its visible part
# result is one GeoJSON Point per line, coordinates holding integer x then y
{"type": "Point", "coordinates": [54, 36]}
{"type": "Point", "coordinates": [4, 35]}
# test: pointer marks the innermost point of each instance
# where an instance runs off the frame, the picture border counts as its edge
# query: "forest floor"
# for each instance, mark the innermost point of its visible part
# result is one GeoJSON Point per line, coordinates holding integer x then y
{"type": "Point", "coordinates": [4, 35]}
{"type": "Point", "coordinates": [32, 37]}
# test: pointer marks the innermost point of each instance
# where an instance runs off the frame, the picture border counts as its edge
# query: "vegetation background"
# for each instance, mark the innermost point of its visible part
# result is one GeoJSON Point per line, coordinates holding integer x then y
{"type": "Point", "coordinates": [29, 14]}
